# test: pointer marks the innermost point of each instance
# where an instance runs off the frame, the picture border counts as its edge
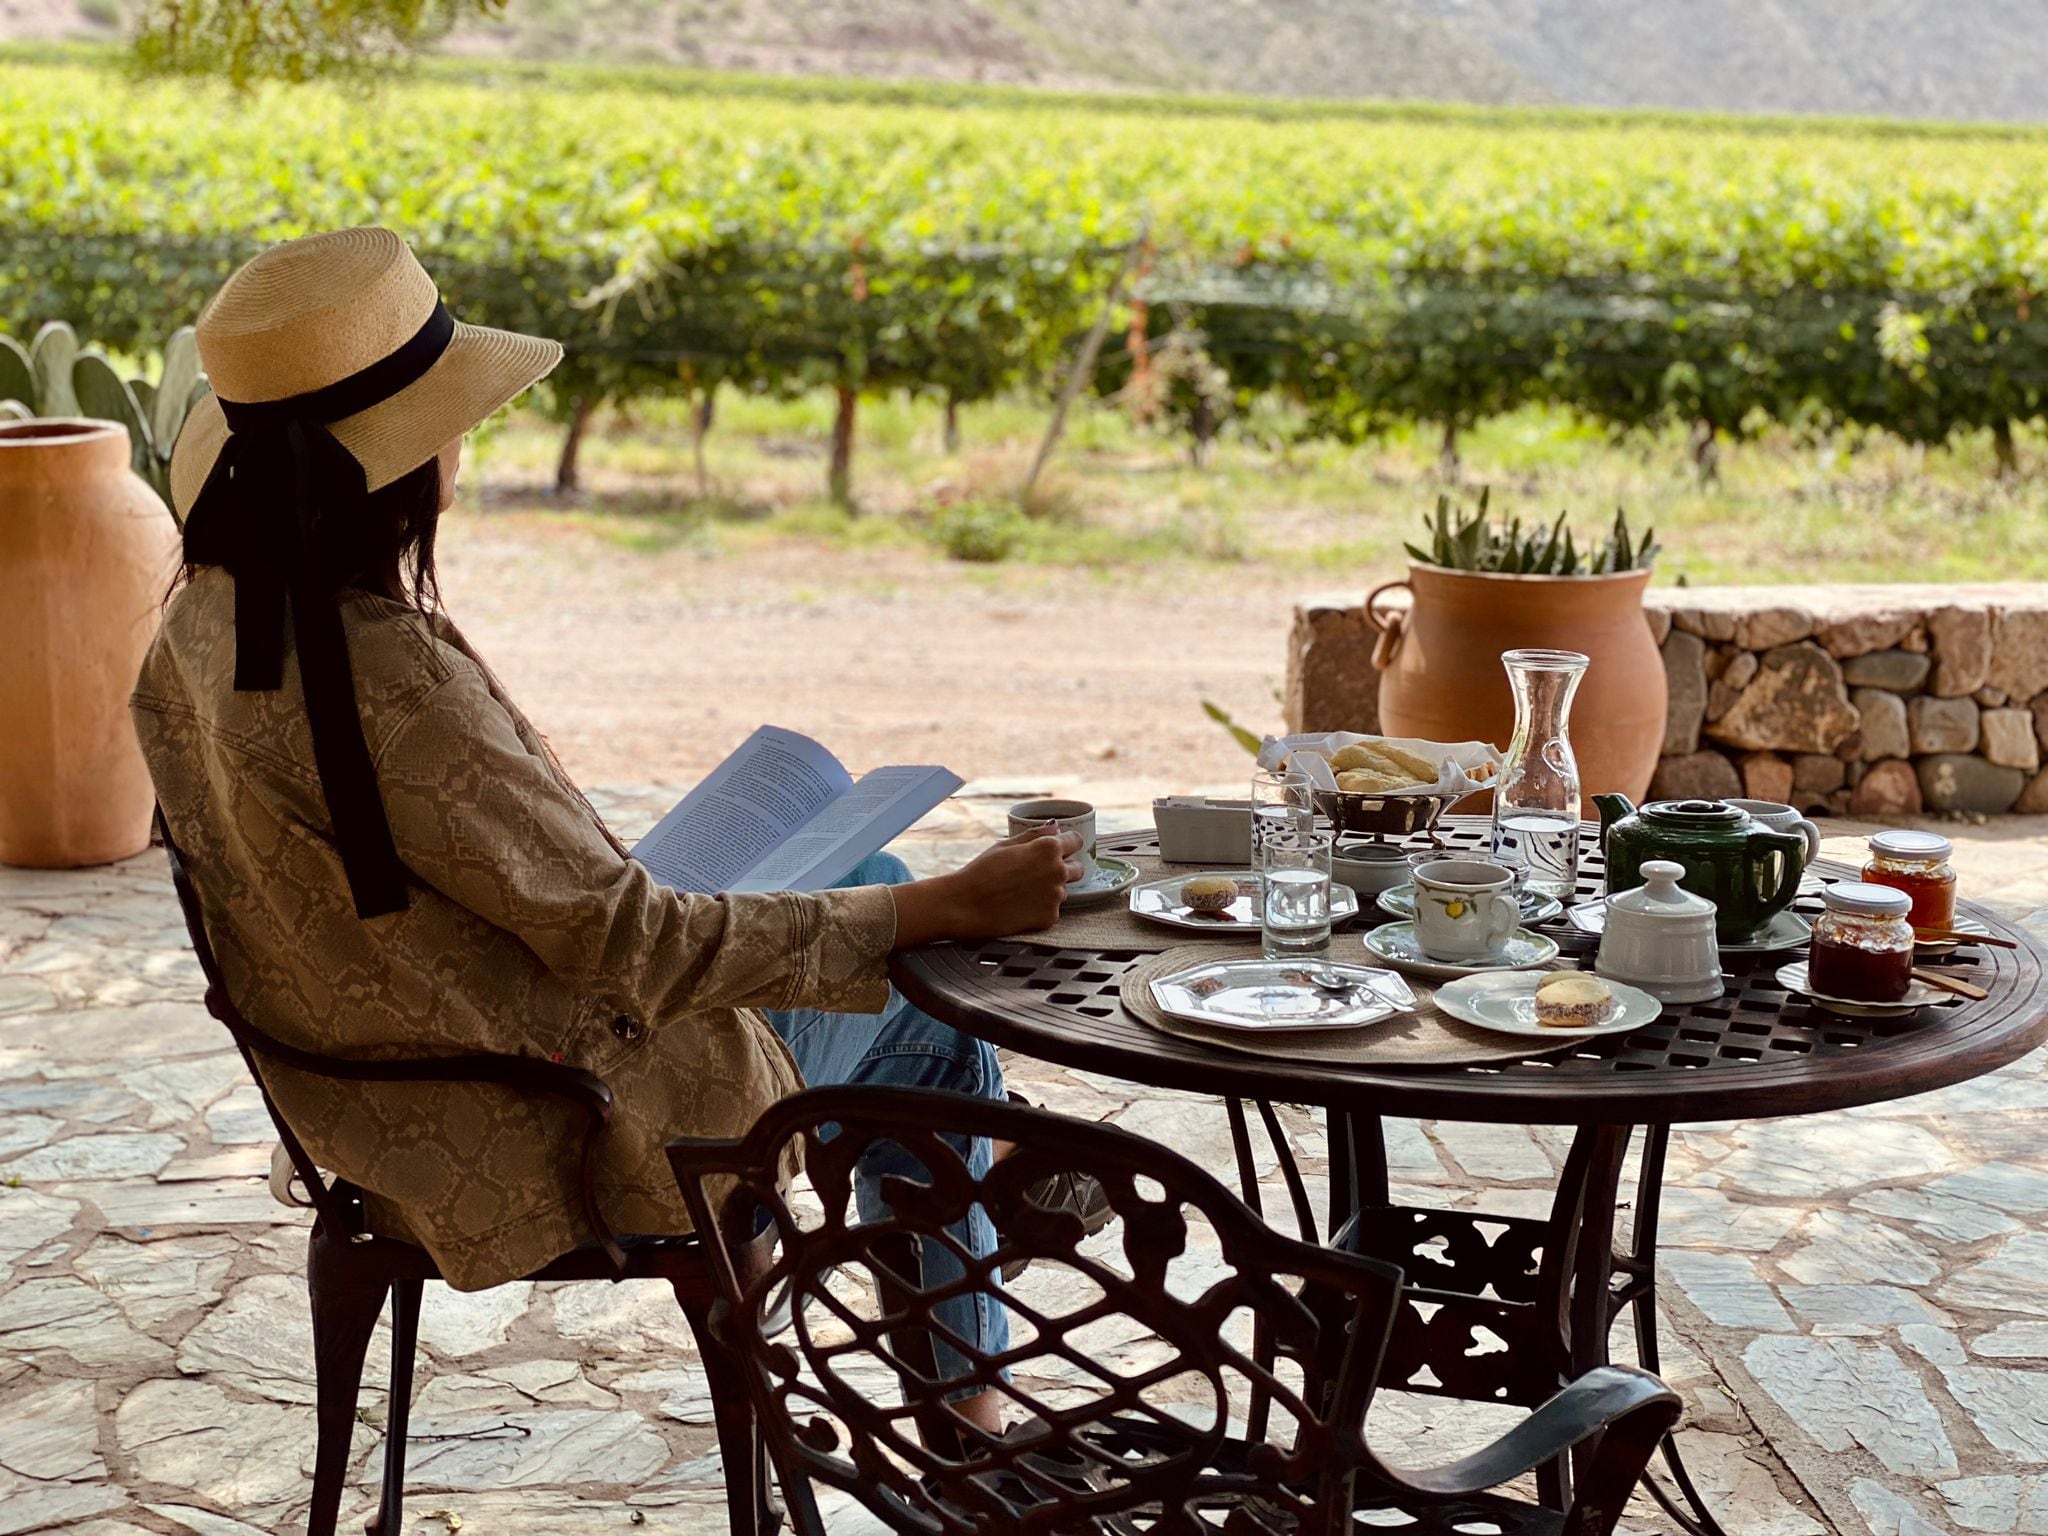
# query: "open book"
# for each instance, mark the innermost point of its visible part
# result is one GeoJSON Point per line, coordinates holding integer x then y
{"type": "Point", "coordinates": [782, 814]}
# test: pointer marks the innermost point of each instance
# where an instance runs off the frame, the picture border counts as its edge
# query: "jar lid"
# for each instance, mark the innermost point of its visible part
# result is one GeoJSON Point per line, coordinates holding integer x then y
{"type": "Point", "coordinates": [1867, 900]}
{"type": "Point", "coordinates": [1931, 846]}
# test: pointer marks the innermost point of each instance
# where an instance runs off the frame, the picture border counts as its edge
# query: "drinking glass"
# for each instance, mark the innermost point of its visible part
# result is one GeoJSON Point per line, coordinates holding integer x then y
{"type": "Point", "coordinates": [1294, 895]}
{"type": "Point", "coordinates": [1536, 802]}
{"type": "Point", "coordinates": [1283, 804]}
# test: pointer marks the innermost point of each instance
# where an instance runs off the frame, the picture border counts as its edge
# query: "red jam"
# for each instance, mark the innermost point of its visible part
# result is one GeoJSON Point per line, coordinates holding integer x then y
{"type": "Point", "coordinates": [1858, 974]}
{"type": "Point", "coordinates": [1934, 895]}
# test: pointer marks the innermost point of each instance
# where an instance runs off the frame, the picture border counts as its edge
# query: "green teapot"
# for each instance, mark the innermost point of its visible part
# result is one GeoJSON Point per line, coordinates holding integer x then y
{"type": "Point", "coordinates": [1748, 872]}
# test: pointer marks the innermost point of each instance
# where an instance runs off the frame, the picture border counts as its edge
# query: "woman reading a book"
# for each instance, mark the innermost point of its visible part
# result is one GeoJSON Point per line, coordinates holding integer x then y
{"type": "Point", "coordinates": [393, 863]}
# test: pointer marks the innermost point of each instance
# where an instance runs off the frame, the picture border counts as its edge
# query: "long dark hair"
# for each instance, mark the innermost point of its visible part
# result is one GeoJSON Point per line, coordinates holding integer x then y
{"type": "Point", "coordinates": [393, 537]}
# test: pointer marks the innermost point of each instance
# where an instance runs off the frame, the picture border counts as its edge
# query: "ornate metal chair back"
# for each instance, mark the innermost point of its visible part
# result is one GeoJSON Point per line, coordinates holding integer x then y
{"type": "Point", "coordinates": [1135, 1356]}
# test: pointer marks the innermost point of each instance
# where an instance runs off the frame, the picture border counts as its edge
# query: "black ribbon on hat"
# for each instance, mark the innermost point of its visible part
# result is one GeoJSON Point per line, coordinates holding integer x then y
{"type": "Point", "coordinates": [284, 510]}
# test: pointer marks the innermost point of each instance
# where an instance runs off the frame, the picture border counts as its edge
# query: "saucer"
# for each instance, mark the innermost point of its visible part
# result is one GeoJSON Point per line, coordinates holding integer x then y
{"type": "Point", "coordinates": [1785, 930]}
{"type": "Point", "coordinates": [1949, 946]}
{"type": "Point", "coordinates": [1112, 877]}
{"type": "Point", "coordinates": [1398, 945]}
{"type": "Point", "coordinates": [1505, 1002]}
{"type": "Point", "coordinates": [1536, 907]}
{"type": "Point", "coordinates": [1920, 995]}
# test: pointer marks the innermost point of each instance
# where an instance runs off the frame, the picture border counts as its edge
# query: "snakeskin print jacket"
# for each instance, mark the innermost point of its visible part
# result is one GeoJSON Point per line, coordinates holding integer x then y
{"type": "Point", "coordinates": [529, 931]}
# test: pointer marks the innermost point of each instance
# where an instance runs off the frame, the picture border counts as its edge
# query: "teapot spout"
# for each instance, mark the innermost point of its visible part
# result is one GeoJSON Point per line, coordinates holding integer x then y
{"type": "Point", "coordinates": [1612, 808]}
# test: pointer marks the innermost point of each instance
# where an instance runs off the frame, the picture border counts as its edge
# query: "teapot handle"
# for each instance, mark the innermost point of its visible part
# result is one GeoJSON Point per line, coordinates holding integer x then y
{"type": "Point", "coordinates": [1790, 847]}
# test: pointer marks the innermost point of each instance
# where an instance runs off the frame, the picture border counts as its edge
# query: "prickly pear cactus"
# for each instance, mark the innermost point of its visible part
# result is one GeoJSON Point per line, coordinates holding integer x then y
{"type": "Point", "coordinates": [103, 395]}
{"type": "Point", "coordinates": [17, 376]}
{"type": "Point", "coordinates": [53, 356]}
{"type": "Point", "coordinates": [177, 388]}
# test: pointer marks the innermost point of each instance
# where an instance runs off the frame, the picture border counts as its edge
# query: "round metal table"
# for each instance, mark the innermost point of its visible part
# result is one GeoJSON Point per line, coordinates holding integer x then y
{"type": "Point", "coordinates": [1548, 1289]}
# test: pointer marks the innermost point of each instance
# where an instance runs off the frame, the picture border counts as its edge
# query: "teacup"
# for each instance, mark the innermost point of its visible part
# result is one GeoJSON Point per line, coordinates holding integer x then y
{"type": "Point", "coordinates": [1070, 816]}
{"type": "Point", "coordinates": [1780, 817]}
{"type": "Point", "coordinates": [1465, 909]}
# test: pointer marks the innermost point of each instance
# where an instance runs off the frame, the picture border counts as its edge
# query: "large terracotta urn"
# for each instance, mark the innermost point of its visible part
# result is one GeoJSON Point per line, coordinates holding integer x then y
{"type": "Point", "coordinates": [87, 552]}
{"type": "Point", "coordinates": [1441, 675]}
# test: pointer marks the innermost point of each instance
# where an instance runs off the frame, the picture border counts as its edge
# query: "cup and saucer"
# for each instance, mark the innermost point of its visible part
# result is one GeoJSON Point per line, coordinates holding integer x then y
{"type": "Point", "coordinates": [1467, 921]}
{"type": "Point", "coordinates": [1102, 879]}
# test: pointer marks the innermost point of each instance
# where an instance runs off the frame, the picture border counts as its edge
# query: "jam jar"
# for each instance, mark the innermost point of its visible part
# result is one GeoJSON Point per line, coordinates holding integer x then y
{"type": "Point", "coordinates": [1862, 945]}
{"type": "Point", "coordinates": [1917, 863]}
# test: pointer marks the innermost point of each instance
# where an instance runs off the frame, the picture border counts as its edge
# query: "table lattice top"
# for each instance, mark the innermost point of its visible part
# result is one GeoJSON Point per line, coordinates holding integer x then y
{"type": "Point", "coordinates": [1758, 1050]}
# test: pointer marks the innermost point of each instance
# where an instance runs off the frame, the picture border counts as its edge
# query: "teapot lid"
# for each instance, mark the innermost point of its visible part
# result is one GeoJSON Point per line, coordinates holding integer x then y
{"type": "Point", "coordinates": [1707, 813]}
{"type": "Point", "coordinates": [1659, 895]}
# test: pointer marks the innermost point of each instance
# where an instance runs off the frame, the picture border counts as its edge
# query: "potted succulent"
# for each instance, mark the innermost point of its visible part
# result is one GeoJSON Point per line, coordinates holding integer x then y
{"type": "Point", "coordinates": [87, 552]}
{"type": "Point", "coordinates": [1481, 586]}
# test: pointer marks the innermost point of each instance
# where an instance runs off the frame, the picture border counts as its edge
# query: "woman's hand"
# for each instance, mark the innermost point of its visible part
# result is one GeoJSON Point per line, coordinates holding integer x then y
{"type": "Point", "coordinates": [1014, 887]}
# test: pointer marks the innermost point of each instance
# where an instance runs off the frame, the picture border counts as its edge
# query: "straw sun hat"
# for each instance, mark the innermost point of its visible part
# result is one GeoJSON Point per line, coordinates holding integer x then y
{"type": "Point", "coordinates": [310, 313]}
{"type": "Point", "coordinates": [336, 369]}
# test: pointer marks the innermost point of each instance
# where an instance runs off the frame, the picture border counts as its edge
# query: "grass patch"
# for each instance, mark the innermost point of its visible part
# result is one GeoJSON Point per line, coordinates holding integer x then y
{"type": "Point", "coordinates": [1785, 508]}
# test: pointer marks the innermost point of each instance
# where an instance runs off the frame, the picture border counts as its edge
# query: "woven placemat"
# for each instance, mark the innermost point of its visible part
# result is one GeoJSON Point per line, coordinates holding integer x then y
{"type": "Point", "coordinates": [1111, 925]}
{"type": "Point", "coordinates": [1426, 1038]}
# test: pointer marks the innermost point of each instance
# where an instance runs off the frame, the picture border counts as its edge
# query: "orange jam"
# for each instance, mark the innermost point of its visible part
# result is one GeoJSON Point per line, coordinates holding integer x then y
{"type": "Point", "coordinates": [1916, 863]}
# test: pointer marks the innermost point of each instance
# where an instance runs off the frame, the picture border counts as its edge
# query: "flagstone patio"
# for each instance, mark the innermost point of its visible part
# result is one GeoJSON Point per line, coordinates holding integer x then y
{"type": "Point", "coordinates": [1858, 1318]}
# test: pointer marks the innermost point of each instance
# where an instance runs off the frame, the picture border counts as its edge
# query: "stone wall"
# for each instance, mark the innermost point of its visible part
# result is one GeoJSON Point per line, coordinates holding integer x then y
{"type": "Point", "coordinates": [1870, 701]}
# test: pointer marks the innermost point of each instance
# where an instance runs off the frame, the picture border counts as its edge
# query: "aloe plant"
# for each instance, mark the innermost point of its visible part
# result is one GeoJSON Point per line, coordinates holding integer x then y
{"type": "Point", "coordinates": [53, 377]}
{"type": "Point", "coordinates": [1462, 541]}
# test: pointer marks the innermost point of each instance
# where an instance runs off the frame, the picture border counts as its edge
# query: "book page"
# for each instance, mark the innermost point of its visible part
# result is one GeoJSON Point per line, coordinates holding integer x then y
{"type": "Point", "coordinates": [872, 814]}
{"type": "Point", "coordinates": [773, 784]}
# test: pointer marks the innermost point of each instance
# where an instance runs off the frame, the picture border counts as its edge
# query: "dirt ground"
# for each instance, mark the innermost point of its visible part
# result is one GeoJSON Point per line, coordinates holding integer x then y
{"type": "Point", "coordinates": [649, 666]}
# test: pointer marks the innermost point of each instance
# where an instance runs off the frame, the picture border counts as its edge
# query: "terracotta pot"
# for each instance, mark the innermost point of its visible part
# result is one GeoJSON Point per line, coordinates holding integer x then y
{"type": "Point", "coordinates": [1441, 677]}
{"type": "Point", "coordinates": [86, 553]}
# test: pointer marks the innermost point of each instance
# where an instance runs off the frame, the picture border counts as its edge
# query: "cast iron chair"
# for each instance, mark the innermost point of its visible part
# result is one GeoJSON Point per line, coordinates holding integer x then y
{"type": "Point", "coordinates": [350, 1270]}
{"type": "Point", "coordinates": [1135, 1358]}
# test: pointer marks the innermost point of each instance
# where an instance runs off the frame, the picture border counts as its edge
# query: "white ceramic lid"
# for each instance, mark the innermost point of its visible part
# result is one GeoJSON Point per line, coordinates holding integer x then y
{"type": "Point", "coordinates": [1660, 895]}
{"type": "Point", "coordinates": [1931, 846]}
{"type": "Point", "coordinates": [1867, 900]}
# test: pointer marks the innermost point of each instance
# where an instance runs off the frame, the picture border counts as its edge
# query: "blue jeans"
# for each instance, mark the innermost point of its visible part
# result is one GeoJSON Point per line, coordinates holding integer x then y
{"type": "Point", "coordinates": [901, 1047]}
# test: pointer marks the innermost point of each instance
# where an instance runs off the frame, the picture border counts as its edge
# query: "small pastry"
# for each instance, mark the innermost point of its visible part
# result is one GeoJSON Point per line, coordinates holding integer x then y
{"type": "Point", "coordinates": [1573, 1000]}
{"type": "Point", "coordinates": [1209, 893]}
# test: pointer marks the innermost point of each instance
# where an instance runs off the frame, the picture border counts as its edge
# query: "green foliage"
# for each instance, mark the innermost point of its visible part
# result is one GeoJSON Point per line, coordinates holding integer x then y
{"type": "Point", "coordinates": [1249, 740]}
{"type": "Point", "coordinates": [983, 531]}
{"type": "Point", "coordinates": [248, 40]}
{"type": "Point", "coordinates": [54, 378]}
{"type": "Point", "coordinates": [1357, 267]}
{"type": "Point", "coordinates": [1462, 541]}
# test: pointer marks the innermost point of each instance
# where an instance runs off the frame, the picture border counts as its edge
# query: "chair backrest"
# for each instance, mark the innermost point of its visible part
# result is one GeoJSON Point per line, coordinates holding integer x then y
{"type": "Point", "coordinates": [340, 1208]}
{"type": "Point", "coordinates": [339, 1203]}
{"type": "Point", "coordinates": [1134, 1355]}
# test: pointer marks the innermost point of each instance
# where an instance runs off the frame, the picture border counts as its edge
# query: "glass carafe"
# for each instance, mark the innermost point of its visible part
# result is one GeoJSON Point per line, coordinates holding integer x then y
{"type": "Point", "coordinates": [1536, 802]}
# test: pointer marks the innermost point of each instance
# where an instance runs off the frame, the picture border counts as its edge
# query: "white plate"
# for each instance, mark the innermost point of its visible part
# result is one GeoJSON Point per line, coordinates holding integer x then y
{"type": "Point", "coordinates": [1397, 944]}
{"type": "Point", "coordinates": [1160, 901]}
{"type": "Point", "coordinates": [1505, 1002]}
{"type": "Point", "coordinates": [1269, 996]}
{"type": "Point", "coordinates": [1949, 946]}
{"type": "Point", "coordinates": [1112, 877]}
{"type": "Point", "coordinates": [1919, 995]}
{"type": "Point", "coordinates": [1785, 930]}
{"type": "Point", "coordinates": [1536, 907]}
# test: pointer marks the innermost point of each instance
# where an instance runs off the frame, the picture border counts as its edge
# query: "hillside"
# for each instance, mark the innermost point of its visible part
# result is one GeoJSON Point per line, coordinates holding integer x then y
{"type": "Point", "coordinates": [1969, 59]}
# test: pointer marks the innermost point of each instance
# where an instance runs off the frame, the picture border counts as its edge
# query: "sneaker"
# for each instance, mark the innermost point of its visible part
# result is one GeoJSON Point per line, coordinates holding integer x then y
{"type": "Point", "coordinates": [1080, 1194]}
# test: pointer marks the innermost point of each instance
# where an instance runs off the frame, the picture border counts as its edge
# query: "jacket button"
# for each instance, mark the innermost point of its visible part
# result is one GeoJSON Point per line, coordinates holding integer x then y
{"type": "Point", "coordinates": [626, 1027]}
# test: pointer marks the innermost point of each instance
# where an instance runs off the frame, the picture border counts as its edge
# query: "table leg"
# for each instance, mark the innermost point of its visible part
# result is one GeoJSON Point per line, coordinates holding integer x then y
{"type": "Point", "coordinates": [1576, 1279]}
{"type": "Point", "coordinates": [1640, 1296]}
{"type": "Point", "coordinates": [1358, 1167]}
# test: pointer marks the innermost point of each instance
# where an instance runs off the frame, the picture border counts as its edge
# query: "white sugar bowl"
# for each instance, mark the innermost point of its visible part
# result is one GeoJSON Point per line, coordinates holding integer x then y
{"type": "Point", "coordinates": [1661, 939]}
